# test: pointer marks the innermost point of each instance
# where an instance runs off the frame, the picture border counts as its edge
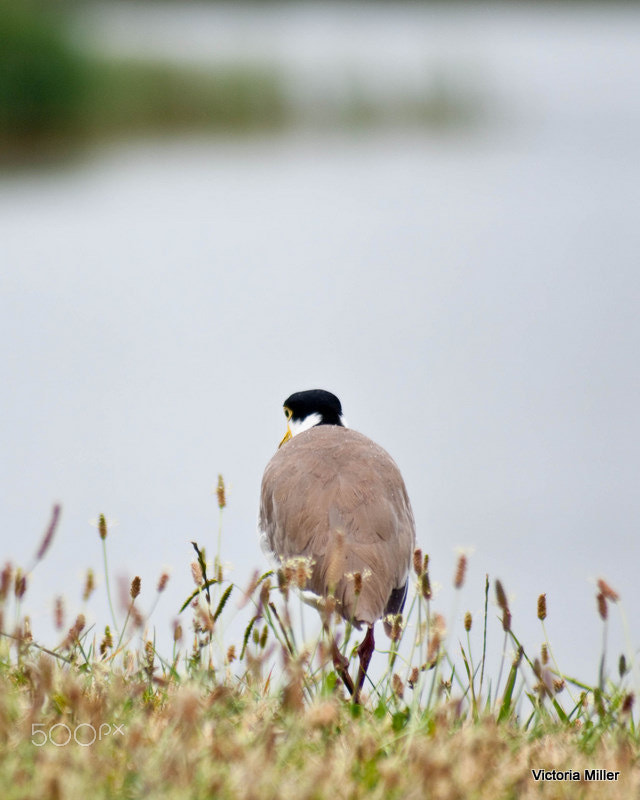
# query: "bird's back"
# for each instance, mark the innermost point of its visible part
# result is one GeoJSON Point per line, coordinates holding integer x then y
{"type": "Point", "coordinates": [333, 495]}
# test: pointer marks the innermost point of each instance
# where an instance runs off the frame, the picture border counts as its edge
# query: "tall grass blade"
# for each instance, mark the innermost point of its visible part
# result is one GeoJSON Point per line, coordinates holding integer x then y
{"type": "Point", "coordinates": [223, 602]}
{"type": "Point", "coordinates": [505, 706]}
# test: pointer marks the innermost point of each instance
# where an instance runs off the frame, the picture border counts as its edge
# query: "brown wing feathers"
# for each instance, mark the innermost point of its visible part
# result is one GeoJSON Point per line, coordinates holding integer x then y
{"type": "Point", "coordinates": [331, 482]}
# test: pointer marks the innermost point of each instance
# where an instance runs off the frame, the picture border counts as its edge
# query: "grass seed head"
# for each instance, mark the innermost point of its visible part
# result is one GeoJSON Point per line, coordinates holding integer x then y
{"type": "Point", "coordinates": [304, 571]}
{"type": "Point", "coordinates": [425, 586]}
{"type": "Point", "coordinates": [544, 653]}
{"type": "Point", "coordinates": [397, 624]}
{"type": "Point", "coordinates": [506, 619]}
{"type": "Point", "coordinates": [20, 584]}
{"type": "Point", "coordinates": [89, 585]}
{"type": "Point", "coordinates": [203, 619]}
{"type": "Point", "coordinates": [622, 666]}
{"type": "Point", "coordinates": [545, 682]}
{"type": "Point", "coordinates": [5, 581]}
{"type": "Point", "coordinates": [417, 561]}
{"type": "Point", "coordinates": [221, 493]}
{"type": "Point", "coordinates": [518, 656]}
{"type": "Point", "coordinates": [602, 605]}
{"type": "Point", "coordinates": [501, 597]}
{"type": "Point", "coordinates": [327, 610]}
{"type": "Point", "coordinates": [49, 533]}
{"type": "Point", "coordinates": [136, 617]}
{"type": "Point", "coordinates": [558, 685]}
{"type": "Point", "coordinates": [413, 677]}
{"type": "Point", "coordinates": [74, 632]}
{"type": "Point", "coordinates": [108, 637]}
{"type": "Point", "coordinates": [542, 607]}
{"type": "Point", "coordinates": [284, 581]}
{"type": "Point", "coordinates": [107, 641]}
{"type": "Point", "coordinates": [196, 573]}
{"type": "Point", "coordinates": [461, 569]}
{"type": "Point", "coordinates": [135, 587]}
{"type": "Point", "coordinates": [627, 703]}
{"type": "Point", "coordinates": [265, 591]}
{"type": "Point", "coordinates": [149, 657]}
{"type": "Point", "coordinates": [102, 526]}
{"type": "Point", "coordinates": [607, 591]}
{"type": "Point", "coordinates": [467, 621]}
{"type": "Point", "coordinates": [163, 581]}
{"type": "Point", "coordinates": [58, 613]}
{"type": "Point", "coordinates": [438, 631]}
{"type": "Point", "coordinates": [248, 592]}
{"type": "Point", "coordinates": [397, 685]}
{"type": "Point", "coordinates": [296, 571]}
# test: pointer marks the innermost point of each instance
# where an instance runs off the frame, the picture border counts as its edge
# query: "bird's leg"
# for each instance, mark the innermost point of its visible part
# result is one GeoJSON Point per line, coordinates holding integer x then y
{"type": "Point", "coordinates": [341, 666]}
{"type": "Point", "coordinates": [365, 651]}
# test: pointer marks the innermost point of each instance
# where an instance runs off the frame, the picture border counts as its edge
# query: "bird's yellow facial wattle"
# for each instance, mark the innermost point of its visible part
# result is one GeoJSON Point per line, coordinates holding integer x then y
{"type": "Point", "coordinates": [288, 435]}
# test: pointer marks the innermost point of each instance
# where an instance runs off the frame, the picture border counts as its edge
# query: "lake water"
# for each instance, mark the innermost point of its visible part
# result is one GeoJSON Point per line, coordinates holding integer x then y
{"type": "Point", "coordinates": [471, 294]}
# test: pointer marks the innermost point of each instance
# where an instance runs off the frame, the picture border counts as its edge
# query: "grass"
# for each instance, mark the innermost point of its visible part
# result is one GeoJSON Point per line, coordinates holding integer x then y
{"type": "Point", "coordinates": [107, 715]}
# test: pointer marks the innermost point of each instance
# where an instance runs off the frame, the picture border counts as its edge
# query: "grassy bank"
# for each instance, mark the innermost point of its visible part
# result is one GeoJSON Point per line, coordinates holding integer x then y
{"type": "Point", "coordinates": [105, 714]}
{"type": "Point", "coordinates": [198, 740]}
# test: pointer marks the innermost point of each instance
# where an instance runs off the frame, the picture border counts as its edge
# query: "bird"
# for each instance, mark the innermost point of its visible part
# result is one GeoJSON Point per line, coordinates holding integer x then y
{"type": "Point", "coordinates": [333, 496]}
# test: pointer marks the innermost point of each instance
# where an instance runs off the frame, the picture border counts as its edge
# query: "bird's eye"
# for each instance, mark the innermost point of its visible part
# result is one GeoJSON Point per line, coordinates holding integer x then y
{"type": "Point", "coordinates": [288, 413]}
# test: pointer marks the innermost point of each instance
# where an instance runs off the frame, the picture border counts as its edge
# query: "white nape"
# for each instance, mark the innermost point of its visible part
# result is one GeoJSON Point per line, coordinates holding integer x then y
{"type": "Point", "coordinates": [298, 425]}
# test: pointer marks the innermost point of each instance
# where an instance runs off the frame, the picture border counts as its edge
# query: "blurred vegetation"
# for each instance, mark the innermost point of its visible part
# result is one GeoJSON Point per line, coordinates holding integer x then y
{"type": "Point", "coordinates": [42, 80]}
{"type": "Point", "coordinates": [138, 95]}
{"type": "Point", "coordinates": [374, 2]}
{"type": "Point", "coordinates": [55, 96]}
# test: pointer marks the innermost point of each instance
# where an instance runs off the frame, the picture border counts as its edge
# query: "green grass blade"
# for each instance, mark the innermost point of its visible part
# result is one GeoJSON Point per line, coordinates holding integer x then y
{"type": "Point", "coordinates": [223, 602]}
{"type": "Point", "coordinates": [196, 592]}
{"type": "Point", "coordinates": [505, 706]}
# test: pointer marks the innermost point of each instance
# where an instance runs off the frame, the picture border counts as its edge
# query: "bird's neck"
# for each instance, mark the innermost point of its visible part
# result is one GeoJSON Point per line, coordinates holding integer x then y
{"type": "Point", "coordinates": [314, 421]}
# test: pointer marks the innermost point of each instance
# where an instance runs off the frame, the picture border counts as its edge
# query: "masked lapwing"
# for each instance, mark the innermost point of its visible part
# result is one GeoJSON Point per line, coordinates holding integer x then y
{"type": "Point", "coordinates": [334, 496]}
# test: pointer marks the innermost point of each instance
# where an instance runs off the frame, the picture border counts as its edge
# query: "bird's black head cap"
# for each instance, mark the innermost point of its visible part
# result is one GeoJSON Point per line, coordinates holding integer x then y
{"type": "Point", "coordinates": [315, 401]}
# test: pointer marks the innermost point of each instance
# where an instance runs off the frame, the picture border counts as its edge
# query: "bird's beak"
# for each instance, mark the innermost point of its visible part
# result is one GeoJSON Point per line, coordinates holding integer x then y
{"type": "Point", "coordinates": [288, 435]}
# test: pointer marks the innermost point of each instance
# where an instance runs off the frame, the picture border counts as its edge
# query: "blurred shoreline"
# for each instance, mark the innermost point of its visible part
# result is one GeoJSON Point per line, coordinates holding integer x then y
{"type": "Point", "coordinates": [65, 84]}
{"type": "Point", "coordinates": [84, 74]}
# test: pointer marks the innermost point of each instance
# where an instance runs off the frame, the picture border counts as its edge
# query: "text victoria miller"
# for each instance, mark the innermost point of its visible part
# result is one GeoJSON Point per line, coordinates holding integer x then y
{"type": "Point", "coordinates": [575, 775]}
